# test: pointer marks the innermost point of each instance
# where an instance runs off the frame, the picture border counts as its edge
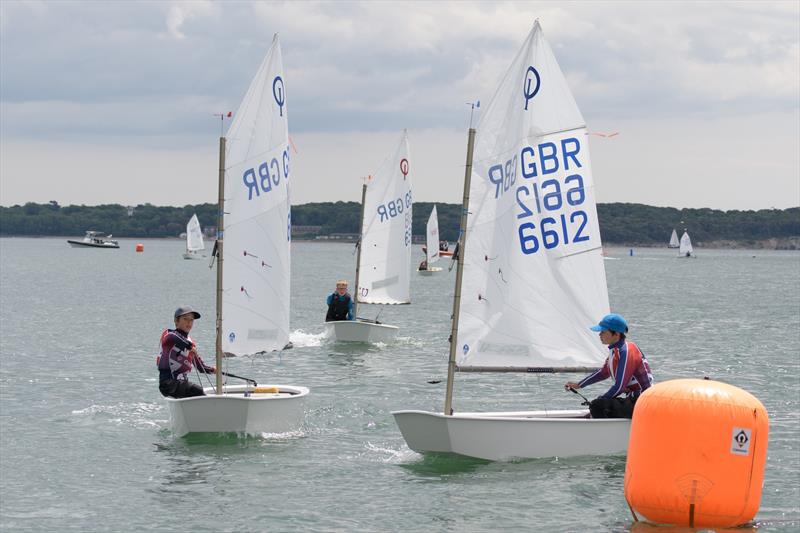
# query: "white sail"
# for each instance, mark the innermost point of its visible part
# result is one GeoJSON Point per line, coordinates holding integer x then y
{"type": "Point", "coordinates": [686, 245]}
{"type": "Point", "coordinates": [194, 237]}
{"type": "Point", "coordinates": [432, 238]}
{"type": "Point", "coordinates": [673, 240]}
{"type": "Point", "coordinates": [386, 237]}
{"type": "Point", "coordinates": [534, 279]}
{"type": "Point", "coordinates": [256, 273]}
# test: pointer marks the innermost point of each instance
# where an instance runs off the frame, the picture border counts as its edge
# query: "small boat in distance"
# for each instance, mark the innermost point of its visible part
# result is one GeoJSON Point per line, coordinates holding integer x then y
{"type": "Point", "coordinates": [444, 249]}
{"type": "Point", "coordinates": [673, 240]}
{"type": "Point", "coordinates": [94, 239]}
{"type": "Point", "coordinates": [194, 240]}
{"type": "Point", "coordinates": [433, 243]}
{"type": "Point", "coordinates": [686, 249]}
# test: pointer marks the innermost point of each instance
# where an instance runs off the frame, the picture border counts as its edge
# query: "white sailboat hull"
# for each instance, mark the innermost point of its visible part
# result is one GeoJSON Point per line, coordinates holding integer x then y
{"type": "Point", "coordinates": [193, 255]}
{"type": "Point", "coordinates": [514, 435]}
{"type": "Point", "coordinates": [360, 331]}
{"type": "Point", "coordinates": [232, 412]}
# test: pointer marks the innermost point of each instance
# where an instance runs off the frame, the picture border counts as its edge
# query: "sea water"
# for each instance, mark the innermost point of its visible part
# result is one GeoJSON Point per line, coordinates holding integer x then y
{"type": "Point", "coordinates": [85, 440]}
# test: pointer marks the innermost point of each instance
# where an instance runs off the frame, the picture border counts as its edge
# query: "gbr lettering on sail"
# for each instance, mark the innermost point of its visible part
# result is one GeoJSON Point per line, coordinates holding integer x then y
{"type": "Point", "coordinates": [548, 182]}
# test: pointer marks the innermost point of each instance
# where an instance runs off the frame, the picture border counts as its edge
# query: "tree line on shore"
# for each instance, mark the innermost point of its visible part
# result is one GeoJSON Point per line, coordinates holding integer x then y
{"type": "Point", "coordinates": [620, 223]}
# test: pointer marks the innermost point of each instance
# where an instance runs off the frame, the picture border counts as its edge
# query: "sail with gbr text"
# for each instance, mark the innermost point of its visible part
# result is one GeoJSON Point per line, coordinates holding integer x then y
{"type": "Point", "coordinates": [534, 279]}
{"type": "Point", "coordinates": [256, 274]}
{"type": "Point", "coordinates": [386, 236]}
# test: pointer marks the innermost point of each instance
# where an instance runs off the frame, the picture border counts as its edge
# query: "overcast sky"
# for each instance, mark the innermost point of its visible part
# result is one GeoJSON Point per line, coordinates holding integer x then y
{"type": "Point", "coordinates": [113, 102]}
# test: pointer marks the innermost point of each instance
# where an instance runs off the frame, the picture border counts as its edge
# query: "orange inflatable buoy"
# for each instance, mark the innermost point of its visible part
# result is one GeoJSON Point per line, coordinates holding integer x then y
{"type": "Point", "coordinates": [696, 454]}
{"type": "Point", "coordinates": [139, 247]}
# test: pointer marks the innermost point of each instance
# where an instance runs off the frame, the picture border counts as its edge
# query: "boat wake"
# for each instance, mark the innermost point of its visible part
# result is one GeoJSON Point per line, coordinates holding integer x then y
{"type": "Point", "coordinates": [138, 415]}
{"type": "Point", "coordinates": [390, 455]}
{"type": "Point", "coordinates": [301, 339]}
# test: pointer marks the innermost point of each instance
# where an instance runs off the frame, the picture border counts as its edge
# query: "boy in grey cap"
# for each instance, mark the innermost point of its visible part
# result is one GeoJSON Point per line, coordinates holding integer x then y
{"type": "Point", "coordinates": [178, 354]}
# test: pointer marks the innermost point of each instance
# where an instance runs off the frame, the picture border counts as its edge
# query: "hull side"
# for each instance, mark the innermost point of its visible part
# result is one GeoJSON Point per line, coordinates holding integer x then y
{"type": "Point", "coordinates": [234, 413]}
{"type": "Point", "coordinates": [81, 244]}
{"type": "Point", "coordinates": [514, 435]}
{"type": "Point", "coordinates": [359, 331]}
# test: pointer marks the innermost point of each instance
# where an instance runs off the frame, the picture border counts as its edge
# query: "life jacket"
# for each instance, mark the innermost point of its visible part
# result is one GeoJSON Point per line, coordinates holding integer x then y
{"type": "Point", "coordinates": [338, 308]}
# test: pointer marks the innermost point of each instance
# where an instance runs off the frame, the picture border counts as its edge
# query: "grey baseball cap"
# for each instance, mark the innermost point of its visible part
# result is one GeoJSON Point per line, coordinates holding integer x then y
{"type": "Point", "coordinates": [185, 310]}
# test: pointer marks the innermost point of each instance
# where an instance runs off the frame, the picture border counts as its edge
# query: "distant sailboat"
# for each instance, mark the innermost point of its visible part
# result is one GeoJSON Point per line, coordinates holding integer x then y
{"type": "Point", "coordinates": [384, 249]}
{"type": "Point", "coordinates": [685, 249]}
{"type": "Point", "coordinates": [673, 240]}
{"type": "Point", "coordinates": [194, 239]}
{"type": "Point", "coordinates": [432, 245]}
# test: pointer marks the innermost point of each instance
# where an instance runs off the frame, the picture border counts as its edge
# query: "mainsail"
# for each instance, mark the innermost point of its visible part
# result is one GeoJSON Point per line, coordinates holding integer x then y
{"type": "Point", "coordinates": [432, 238]}
{"type": "Point", "coordinates": [673, 240]}
{"type": "Point", "coordinates": [256, 272]}
{"type": "Point", "coordinates": [194, 237]}
{"type": "Point", "coordinates": [686, 244]}
{"type": "Point", "coordinates": [386, 234]}
{"type": "Point", "coordinates": [533, 277]}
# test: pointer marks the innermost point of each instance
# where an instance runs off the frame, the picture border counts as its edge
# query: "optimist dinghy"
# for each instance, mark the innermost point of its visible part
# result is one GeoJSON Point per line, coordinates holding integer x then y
{"type": "Point", "coordinates": [530, 276]}
{"type": "Point", "coordinates": [253, 287]}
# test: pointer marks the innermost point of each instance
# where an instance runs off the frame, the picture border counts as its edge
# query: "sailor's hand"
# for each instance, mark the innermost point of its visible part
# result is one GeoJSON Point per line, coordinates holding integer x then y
{"type": "Point", "coordinates": [571, 385]}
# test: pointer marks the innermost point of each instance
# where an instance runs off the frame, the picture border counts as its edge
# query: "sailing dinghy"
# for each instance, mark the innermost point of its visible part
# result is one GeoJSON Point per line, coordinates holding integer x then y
{"type": "Point", "coordinates": [530, 278]}
{"type": "Point", "coordinates": [384, 249]}
{"type": "Point", "coordinates": [253, 287]}
{"type": "Point", "coordinates": [673, 240]}
{"type": "Point", "coordinates": [432, 244]}
{"type": "Point", "coordinates": [686, 249]}
{"type": "Point", "coordinates": [194, 240]}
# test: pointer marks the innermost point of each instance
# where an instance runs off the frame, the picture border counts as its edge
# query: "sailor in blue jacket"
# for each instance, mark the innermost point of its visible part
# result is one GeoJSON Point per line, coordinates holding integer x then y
{"type": "Point", "coordinates": [340, 303]}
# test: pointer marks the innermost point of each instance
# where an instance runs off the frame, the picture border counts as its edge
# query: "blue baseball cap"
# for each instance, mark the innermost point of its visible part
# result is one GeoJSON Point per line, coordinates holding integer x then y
{"type": "Point", "coordinates": [611, 322]}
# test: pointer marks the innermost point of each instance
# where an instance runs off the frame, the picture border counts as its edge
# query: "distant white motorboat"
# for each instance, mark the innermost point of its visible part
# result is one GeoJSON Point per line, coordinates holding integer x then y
{"type": "Point", "coordinates": [686, 249]}
{"type": "Point", "coordinates": [384, 249]}
{"type": "Point", "coordinates": [673, 240]}
{"type": "Point", "coordinates": [94, 239]}
{"type": "Point", "coordinates": [432, 247]}
{"type": "Point", "coordinates": [253, 288]}
{"type": "Point", "coordinates": [194, 240]}
{"type": "Point", "coordinates": [530, 276]}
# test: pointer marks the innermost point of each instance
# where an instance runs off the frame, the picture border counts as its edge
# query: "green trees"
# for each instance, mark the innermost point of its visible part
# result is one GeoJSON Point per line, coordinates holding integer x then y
{"type": "Point", "coordinates": [629, 224]}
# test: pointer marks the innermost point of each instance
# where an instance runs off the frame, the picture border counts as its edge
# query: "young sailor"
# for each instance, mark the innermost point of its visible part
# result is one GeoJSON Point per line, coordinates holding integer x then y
{"type": "Point", "coordinates": [628, 366]}
{"type": "Point", "coordinates": [340, 303]}
{"type": "Point", "coordinates": [178, 354]}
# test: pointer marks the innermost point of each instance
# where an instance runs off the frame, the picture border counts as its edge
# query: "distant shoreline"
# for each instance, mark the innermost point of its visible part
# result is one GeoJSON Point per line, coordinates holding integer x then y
{"type": "Point", "coordinates": [782, 244]}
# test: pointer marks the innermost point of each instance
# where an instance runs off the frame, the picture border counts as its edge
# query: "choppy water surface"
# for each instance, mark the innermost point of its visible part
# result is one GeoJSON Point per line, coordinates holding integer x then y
{"type": "Point", "coordinates": [85, 443]}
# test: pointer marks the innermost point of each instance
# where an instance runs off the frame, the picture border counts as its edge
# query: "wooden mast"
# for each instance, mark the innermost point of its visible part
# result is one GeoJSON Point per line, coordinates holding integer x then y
{"type": "Point", "coordinates": [220, 234]}
{"type": "Point", "coordinates": [360, 243]}
{"type": "Point", "coordinates": [451, 363]}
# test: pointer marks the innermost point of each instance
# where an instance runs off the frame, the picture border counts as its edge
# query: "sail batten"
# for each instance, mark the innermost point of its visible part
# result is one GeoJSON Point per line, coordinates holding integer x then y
{"type": "Point", "coordinates": [534, 278]}
{"type": "Point", "coordinates": [256, 278]}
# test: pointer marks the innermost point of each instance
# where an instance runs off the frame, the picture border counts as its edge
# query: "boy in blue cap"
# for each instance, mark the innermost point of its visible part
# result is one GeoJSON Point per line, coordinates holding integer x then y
{"type": "Point", "coordinates": [628, 366]}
